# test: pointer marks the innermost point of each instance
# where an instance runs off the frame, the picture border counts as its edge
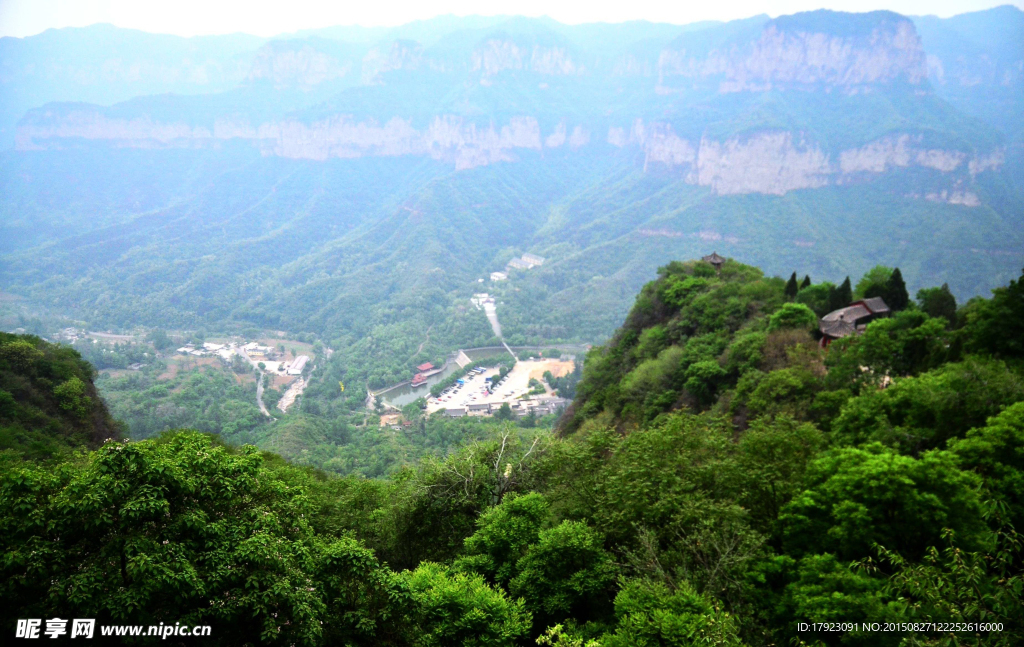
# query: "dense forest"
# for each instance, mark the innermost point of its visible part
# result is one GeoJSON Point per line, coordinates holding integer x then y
{"type": "Point", "coordinates": [719, 478]}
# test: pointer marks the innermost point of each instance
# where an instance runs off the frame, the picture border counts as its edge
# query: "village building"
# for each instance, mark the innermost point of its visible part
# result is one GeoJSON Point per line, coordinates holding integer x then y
{"type": "Point", "coordinates": [455, 412]}
{"type": "Point", "coordinates": [533, 259]}
{"type": "Point", "coordinates": [499, 276]}
{"type": "Point", "coordinates": [295, 368]}
{"type": "Point", "coordinates": [851, 320]}
{"type": "Point", "coordinates": [424, 367]}
{"type": "Point", "coordinates": [518, 264]}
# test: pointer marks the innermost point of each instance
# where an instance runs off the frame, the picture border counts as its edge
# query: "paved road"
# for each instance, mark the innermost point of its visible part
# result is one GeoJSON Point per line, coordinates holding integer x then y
{"type": "Point", "coordinates": [492, 315]}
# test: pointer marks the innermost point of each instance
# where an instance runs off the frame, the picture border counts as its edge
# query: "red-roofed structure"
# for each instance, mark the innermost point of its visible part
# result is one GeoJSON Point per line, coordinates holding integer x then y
{"type": "Point", "coordinates": [426, 366]}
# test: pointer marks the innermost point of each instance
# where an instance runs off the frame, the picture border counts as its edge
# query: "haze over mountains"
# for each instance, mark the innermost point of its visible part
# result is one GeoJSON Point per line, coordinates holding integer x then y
{"type": "Point", "coordinates": [304, 182]}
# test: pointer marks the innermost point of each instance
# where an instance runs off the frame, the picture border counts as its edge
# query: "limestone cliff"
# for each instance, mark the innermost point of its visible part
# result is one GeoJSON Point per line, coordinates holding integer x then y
{"type": "Point", "coordinates": [802, 53]}
{"type": "Point", "coordinates": [497, 55]}
{"type": "Point", "coordinates": [301, 64]}
{"type": "Point", "coordinates": [767, 161]}
{"type": "Point", "coordinates": [400, 55]}
{"type": "Point", "coordinates": [777, 162]}
{"type": "Point", "coordinates": [765, 145]}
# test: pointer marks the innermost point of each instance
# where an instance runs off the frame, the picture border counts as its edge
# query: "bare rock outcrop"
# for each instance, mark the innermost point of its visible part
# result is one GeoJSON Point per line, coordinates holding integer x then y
{"type": "Point", "coordinates": [497, 55]}
{"type": "Point", "coordinates": [284, 64]}
{"type": "Point", "coordinates": [794, 55]}
{"type": "Point", "coordinates": [777, 162]}
{"type": "Point", "coordinates": [772, 162]}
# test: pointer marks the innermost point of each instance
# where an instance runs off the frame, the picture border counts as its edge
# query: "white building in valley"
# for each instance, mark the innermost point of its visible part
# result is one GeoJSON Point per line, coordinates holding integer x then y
{"type": "Point", "coordinates": [295, 368]}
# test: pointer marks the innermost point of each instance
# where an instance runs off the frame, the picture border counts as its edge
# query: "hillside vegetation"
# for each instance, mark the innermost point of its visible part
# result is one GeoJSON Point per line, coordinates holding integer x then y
{"type": "Point", "coordinates": [719, 479]}
{"type": "Point", "coordinates": [48, 402]}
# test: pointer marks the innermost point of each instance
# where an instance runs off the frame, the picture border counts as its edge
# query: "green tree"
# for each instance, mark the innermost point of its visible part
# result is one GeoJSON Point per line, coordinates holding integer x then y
{"type": "Point", "coordinates": [806, 283]}
{"type": "Point", "coordinates": [71, 397]}
{"type": "Point", "coordinates": [823, 587]}
{"type": "Point", "coordinates": [567, 573]}
{"type": "Point", "coordinates": [454, 608]}
{"type": "Point", "coordinates": [862, 496]}
{"type": "Point", "coordinates": [844, 294]}
{"type": "Point", "coordinates": [504, 412]}
{"type": "Point", "coordinates": [159, 338]}
{"type": "Point", "coordinates": [773, 458]}
{"type": "Point", "coordinates": [996, 452]}
{"type": "Point", "coordinates": [503, 536]}
{"type": "Point", "coordinates": [938, 303]}
{"type": "Point", "coordinates": [183, 530]}
{"type": "Point", "coordinates": [793, 315]}
{"type": "Point", "coordinates": [20, 354]}
{"type": "Point", "coordinates": [818, 297]}
{"type": "Point", "coordinates": [959, 584]}
{"type": "Point", "coordinates": [703, 380]}
{"type": "Point", "coordinates": [996, 327]}
{"type": "Point", "coordinates": [873, 283]}
{"type": "Point", "coordinates": [791, 287]}
{"type": "Point", "coordinates": [922, 412]}
{"type": "Point", "coordinates": [654, 615]}
{"type": "Point", "coordinates": [896, 296]}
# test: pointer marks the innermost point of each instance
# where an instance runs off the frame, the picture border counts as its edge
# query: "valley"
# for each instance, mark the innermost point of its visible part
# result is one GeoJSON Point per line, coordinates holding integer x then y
{"type": "Point", "coordinates": [504, 331]}
{"type": "Point", "coordinates": [364, 195]}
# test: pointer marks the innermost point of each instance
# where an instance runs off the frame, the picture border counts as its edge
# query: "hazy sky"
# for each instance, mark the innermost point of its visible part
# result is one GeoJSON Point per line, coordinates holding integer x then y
{"type": "Point", "coordinates": [270, 17]}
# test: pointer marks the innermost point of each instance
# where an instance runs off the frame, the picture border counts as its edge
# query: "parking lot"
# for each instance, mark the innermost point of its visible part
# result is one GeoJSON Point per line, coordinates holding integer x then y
{"type": "Point", "coordinates": [515, 384]}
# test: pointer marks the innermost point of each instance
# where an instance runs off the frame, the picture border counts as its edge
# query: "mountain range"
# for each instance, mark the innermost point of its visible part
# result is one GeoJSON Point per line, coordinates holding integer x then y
{"type": "Point", "coordinates": [329, 181]}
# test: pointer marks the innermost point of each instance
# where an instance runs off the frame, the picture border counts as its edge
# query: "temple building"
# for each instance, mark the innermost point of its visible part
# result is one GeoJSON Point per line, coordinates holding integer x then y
{"type": "Point", "coordinates": [715, 260]}
{"type": "Point", "coordinates": [851, 320]}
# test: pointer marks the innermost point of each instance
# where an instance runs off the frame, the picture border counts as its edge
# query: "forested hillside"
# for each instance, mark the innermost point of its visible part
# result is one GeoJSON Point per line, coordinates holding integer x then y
{"type": "Point", "coordinates": [356, 187]}
{"type": "Point", "coordinates": [49, 405]}
{"type": "Point", "coordinates": [719, 479]}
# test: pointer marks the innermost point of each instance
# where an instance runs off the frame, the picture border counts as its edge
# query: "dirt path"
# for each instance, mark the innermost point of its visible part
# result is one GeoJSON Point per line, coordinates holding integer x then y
{"type": "Point", "coordinates": [422, 343]}
{"type": "Point", "coordinates": [293, 392]}
{"type": "Point", "coordinates": [259, 396]}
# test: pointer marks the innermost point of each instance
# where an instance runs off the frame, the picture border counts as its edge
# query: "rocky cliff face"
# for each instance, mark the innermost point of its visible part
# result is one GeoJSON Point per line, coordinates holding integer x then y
{"type": "Point", "coordinates": [787, 56]}
{"type": "Point", "coordinates": [777, 162]}
{"type": "Point", "coordinates": [400, 55]}
{"type": "Point", "coordinates": [806, 53]}
{"type": "Point", "coordinates": [287, 64]}
{"type": "Point", "coordinates": [771, 161]}
{"type": "Point", "coordinates": [497, 55]}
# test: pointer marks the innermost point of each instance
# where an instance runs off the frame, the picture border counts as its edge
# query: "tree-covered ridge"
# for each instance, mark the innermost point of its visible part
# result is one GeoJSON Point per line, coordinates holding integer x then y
{"type": "Point", "coordinates": [737, 343]}
{"type": "Point", "coordinates": [880, 480]}
{"type": "Point", "coordinates": [48, 403]}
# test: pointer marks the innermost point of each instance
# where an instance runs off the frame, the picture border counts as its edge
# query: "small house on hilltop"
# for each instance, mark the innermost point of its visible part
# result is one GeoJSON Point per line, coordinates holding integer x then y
{"type": "Point", "coordinates": [715, 260]}
{"type": "Point", "coordinates": [533, 259]}
{"type": "Point", "coordinates": [519, 264]}
{"type": "Point", "coordinates": [852, 319]}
